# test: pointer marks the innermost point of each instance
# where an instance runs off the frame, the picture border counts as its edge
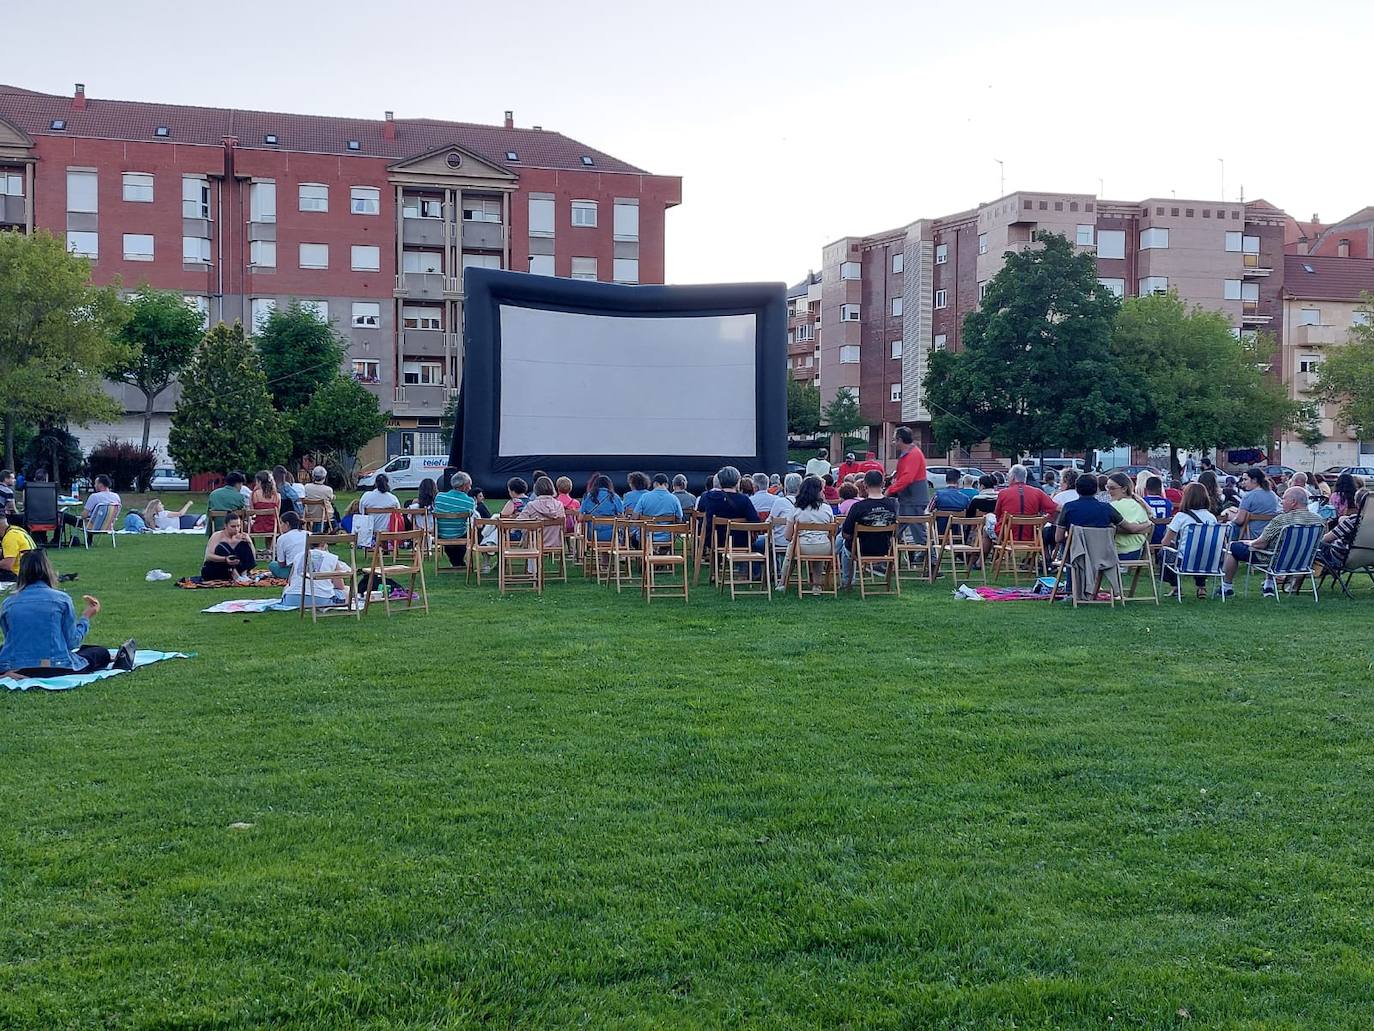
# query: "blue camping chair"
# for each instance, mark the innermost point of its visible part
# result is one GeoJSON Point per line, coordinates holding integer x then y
{"type": "Point", "coordinates": [1294, 554]}
{"type": "Point", "coordinates": [1201, 552]}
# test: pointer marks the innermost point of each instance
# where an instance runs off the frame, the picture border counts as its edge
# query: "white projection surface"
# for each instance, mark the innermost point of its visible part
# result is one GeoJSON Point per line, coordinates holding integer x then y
{"type": "Point", "coordinates": [579, 384]}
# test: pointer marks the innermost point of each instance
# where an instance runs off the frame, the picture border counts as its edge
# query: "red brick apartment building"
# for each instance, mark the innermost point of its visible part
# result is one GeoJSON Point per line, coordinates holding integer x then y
{"type": "Point", "coordinates": [371, 221]}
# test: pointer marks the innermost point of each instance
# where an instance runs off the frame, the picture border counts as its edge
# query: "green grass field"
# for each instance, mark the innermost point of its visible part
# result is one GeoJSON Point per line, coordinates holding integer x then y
{"type": "Point", "coordinates": [573, 810]}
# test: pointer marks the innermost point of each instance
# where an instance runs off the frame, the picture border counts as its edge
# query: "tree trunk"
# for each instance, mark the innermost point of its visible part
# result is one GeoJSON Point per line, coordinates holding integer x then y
{"type": "Point", "coordinates": [149, 397]}
{"type": "Point", "coordinates": [9, 441]}
{"type": "Point", "coordinates": [1175, 469]}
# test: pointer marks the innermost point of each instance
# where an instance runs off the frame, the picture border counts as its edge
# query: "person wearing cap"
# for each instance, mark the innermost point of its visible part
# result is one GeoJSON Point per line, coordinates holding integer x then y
{"type": "Point", "coordinates": [819, 466]}
{"type": "Point", "coordinates": [848, 466]}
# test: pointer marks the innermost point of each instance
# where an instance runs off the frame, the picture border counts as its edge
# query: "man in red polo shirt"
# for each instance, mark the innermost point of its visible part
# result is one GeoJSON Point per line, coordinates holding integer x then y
{"type": "Point", "coordinates": [1020, 498]}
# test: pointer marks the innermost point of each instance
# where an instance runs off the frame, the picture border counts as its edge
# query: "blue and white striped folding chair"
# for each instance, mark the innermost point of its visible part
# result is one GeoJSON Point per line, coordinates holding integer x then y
{"type": "Point", "coordinates": [1201, 551]}
{"type": "Point", "coordinates": [1294, 554]}
{"type": "Point", "coordinates": [104, 519]}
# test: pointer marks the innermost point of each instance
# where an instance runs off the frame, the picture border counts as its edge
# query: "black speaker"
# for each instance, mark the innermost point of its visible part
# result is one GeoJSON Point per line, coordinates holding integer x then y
{"type": "Point", "coordinates": [40, 506]}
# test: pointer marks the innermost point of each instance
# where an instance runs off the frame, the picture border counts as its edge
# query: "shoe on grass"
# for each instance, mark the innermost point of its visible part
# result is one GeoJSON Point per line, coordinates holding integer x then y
{"type": "Point", "coordinates": [1224, 591]}
{"type": "Point", "coordinates": [1269, 590]}
{"type": "Point", "coordinates": [124, 658]}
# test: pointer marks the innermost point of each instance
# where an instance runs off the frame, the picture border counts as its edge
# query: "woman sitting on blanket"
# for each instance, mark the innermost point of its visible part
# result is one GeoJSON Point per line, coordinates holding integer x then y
{"type": "Point", "coordinates": [322, 591]}
{"type": "Point", "coordinates": [156, 517]}
{"type": "Point", "coordinates": [228, 553]}
{"type": "Point", "coordinates": [42, 634]}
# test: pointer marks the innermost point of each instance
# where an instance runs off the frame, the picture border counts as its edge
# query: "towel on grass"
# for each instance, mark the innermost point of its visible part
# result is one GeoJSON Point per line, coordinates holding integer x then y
{"type": "Point", "coordinates": [71, 680]}
{"type": "Point", "coordinates": [150, 533]}
{"type": "Point", "coordinates": [262, 581]}
{"type": "Point", "coordinates": [270, 605]}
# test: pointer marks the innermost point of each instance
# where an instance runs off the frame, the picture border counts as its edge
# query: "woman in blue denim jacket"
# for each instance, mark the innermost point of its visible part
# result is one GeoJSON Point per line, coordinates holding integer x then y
{"type": "Point", "coordinates": [42, 634]}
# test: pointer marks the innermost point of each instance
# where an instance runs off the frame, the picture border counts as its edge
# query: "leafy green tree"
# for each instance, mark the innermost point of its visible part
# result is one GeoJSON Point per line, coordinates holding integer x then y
{"type": "Point", "coordinates": [841, 415]}
{"type": "Point", "coordinates": [449, 418]}
{"type": "Point", "coordinates": [161, 332]}
{"type": "Point", "coordinates": [225, 419]}
{"type": "Point", "coordinates": [1203, 387]}
{"type": "Point", "coordinates": [57, 336]}
{"type": "Point", "coordinates": [803, 407]}
{"type": "Point", "coordinates": [1346, 377]}
{"type": "Point", "coordinates": [54, 448]}
{"type": "Point", "coordinates": [1036, 369]}
{"type": "Point", "coordinates": [339, 421]}
{"type": "Point", "coordinates": [300, 353]}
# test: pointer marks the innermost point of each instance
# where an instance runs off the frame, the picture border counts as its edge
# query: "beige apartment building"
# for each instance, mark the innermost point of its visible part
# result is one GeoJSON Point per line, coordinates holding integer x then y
{"type": "Point", "coordinates": [804, 329]}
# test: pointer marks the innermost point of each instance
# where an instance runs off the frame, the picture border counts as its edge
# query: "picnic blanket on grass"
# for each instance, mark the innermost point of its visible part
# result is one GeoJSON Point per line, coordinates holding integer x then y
{"type": "Point", "coordinates": [151, 533]}
{"type": "Point", "coordinates": [196, 582]}
{"type": "Point", "coordinates": [71, 680]}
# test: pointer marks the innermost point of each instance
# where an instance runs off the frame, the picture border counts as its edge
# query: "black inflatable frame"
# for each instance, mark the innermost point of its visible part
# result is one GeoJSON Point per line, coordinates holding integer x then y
{"type": "Point", "coordinates": [476, 445]}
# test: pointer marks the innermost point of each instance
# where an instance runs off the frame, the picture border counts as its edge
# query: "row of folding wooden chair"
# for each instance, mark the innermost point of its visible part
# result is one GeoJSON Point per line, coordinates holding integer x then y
{"type": "Point", "coordinates": [379, 570]}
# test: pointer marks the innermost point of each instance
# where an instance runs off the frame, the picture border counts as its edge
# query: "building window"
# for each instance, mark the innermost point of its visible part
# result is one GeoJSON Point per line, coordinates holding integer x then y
{"type": "Point", "coordinates": [318, 308]}
{"type": "Point", "coordinates": [367, 370]}
{"type": "Point", "coordinates": [422, 207]}
{"type": "Point", "coordinates": [1308, 363]}
{"type": "Point", "coordinates": [1085, 236]}
{"type": "Point", "coordinates": [897, 262]}
{"type": "Point", "coordinates": [314, 197]}
{"type": "Point", "coordinates": [1153, 285]}
{"type": "Point", "coordinates": [584, 268]}
{"type": "Point", "coordinates": [541, 216]}
{"type": "Point", "coordinates": [625, 270]}
{"type": "Point", "coordinates": [364, 200]}
{"type": "Point", "coordinates": [421, 317]}
{"type": "Point", "coordinates": [584, 214]}
{"type": "Point", "coordinates": [138, 186]}
{"type": "Point", "coordinates": [1230, 289]}
{"type": "Point", "coordinates": [262, 308]}
{"type": "Point", "coordinates": [84, 245]}
{"type": "Point", "coordinates": [982, 290]}
{"type": "Point", "coordinates": [195, 250]}
{"type": "Point", "coordinates": [367, 314]}
{"type": "Point", "coordinates": [314, 255]}
{"type": "Point", "coordinates": [1154, 239]}
{"type": "Point", "coordinates": [366, 259]}
{"type": "Point", "coordinates": [849, 313]}
{"type": "Point", "coordinates": [138, 247]}
{"type": "Point", "coordinates": [482, 209]}
{"type": "Point", "coordinates": [849, 354]}
{"type": "Point", "coordinates": [1233, 242]}
{"type": "Point", "coordinates": [195, 197]}
{"type": "Point", "coordinates": [1309, 317]}
{"type": "Point", "coordinates": [200, 304]}
{"type": "Point", "coordinates": [895, 349]}
{"type": "Point", "coordinates": [81, 192]}
{"type": "Point", "coordinates": [897, 306]}
{"type": "Point", "coordinates": [941, 299]}
{"type": "Point", "coordinates": [626, 218]}
{"type": "Point", "coordinates": [1116, 286]}
{"type": "Point", "coordinates": [1360, 318]}
{"type": "Point", "coordinates": [425, 374]}
{"type": "Point", "coordinates": [11, 185]}
{"type": "Point", "coordinates": [1111, 243]}
{"type": "Point", "coordinates": [982, 243]}
{"type": "Point", "coordinates": [941, 253]}
{"type": "Point", "coordinates": [896, 394]}
{"type": "Point", "coordinates": [422, 261]}
{"type": "Point", "coordinates": [541, 264]}
{"type": "Point", "coordinates": [1250, 244]}
{"type": "Point", "coordinates": [806, 332]}
{"type": "Point", "coordinates": [263, 253]}
{"type": "Point", "coordinates": [940, 341]}
{"type": "Point", "coordinates": [481, 261]}
{"type": "Point", "coordinates": [262, 202]}
{"type": "Point", "coordinates": [807, 361]}
{"type": "Point", "coordinates": [850, 270]}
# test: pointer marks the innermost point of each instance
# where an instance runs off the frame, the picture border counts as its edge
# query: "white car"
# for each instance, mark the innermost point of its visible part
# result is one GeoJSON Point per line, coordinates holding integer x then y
{"type": "Point", "coordinates": [167, 479]}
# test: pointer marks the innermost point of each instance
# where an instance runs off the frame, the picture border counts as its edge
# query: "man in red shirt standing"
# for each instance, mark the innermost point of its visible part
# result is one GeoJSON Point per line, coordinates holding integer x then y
{"type": "Point", "coordinates": [909, 484]}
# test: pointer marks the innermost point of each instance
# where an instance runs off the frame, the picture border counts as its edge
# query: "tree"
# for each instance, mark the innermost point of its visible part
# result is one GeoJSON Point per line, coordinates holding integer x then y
{"type": "Point", "coordinates": [162, 332]}
{"type": "Point", "coordinates": [1036, 370]}
{"type": "Point", "coordinates": [225, 419]}
{"type": "Point", "coordinates": [841, 415]}
{"type": "Point", "coordinates": [803, 408]}
{"type": "Point", "coordinates": [1203, 387]}
{"type": "Point", "coordinates": [57, 336]}
{"type": "Point", "coordinates": [1346, 377]}
{"type": "Point", "coordinates": [1310, 431]}
{"type": "Point", "coordinates": [339, 421]}
{"type": "Point", "coordinates": [301, 352]}
{"type": "Point", "coordinates": [449, 418]}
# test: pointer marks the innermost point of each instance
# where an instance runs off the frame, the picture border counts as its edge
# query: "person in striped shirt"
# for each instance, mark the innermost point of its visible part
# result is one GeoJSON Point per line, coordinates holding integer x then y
{"type": "Point", "coordinates": [452, 509]}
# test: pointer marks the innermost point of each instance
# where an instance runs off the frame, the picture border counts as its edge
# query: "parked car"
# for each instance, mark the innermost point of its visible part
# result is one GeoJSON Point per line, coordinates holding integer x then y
{"type": "Point", "coordinates": [1367, 471]}
{"type": "Point", "coordinates": [796, 467]}
{"type": "Point", "coordinates": [406, 471]}
{"type": "Point", "coordinates": [167, 479]}
{"type": "Point", "coordinates": [935, 475]}
{"type": "Point", "coordinates": [969, 470]}
{"type": "Point", "coordinates": [1275, 471]}
{"type": "Point", "coordinates": [1135, 470]}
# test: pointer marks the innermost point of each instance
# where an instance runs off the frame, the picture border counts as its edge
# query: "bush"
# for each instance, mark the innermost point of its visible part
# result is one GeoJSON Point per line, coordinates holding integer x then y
{"type": "Point", "coordinates": [128, 465]}
{"type": "Point", "coordinates": [53, 449]}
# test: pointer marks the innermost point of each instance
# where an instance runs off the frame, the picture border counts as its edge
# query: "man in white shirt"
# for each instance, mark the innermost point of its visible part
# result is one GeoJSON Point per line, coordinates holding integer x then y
{"type": "Point", "coordinates": [820, 465]}
{"type": "Point", "coordinates": [102, 495]}
{"type": "Point", "coordinates": [290, 547]}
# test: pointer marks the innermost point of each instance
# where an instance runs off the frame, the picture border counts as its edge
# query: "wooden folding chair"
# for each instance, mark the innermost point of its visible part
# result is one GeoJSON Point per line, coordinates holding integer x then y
{"type": "Point", "coordinates": [963, 538]}
{"type": "Point", "coordinates": [1021, 536]}
{"type": "Point", "coordinates": [888, 557]}
{"type": "Point", "coordinates": [477, 551]}
{"type": "Point", "coordinates": [438, 543]}
{"type": "Point", "coordinates": [670, 558]}
{"type": "Point", "coordinates": [555, 555]}
{"type": "Point", "coordinates": [1144, 564]}
{"type": "Point", "coordinates": [803, 566]}
{"type": "Point", "coordinates": [625, 552]}
{"type": "Point", "coordinates": [381, 569]}
{"type": "Point", "coordinates": [264, 523]}
{"type": "Point", "coordinates": [317, 517]}
{"type": "Point", "coordinates": [736, 550]}
{"type": "Point", "coordinates": [596, 558]}
{"type": "Point", "coordinates": [215, 517]}
{"type": "Point", "coordinates": [309, 576]}
{"type": "Point", "coordinates": [700, 545]}
{"type": "Point", "coordinates": [1112, 575]}
{"type": "Point", "coordinates": [379, 522]}
{"type": "Point", "coordinates": [519, 559]}
{"type": "Point", "coordinates": [921, 550]}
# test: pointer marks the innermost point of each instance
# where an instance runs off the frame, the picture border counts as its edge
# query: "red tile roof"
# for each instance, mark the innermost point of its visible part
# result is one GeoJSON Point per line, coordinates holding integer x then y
{"type": "Point", "coordinates": [1329, 279]}
{"type": "Point", "coordinates": [320, 134]}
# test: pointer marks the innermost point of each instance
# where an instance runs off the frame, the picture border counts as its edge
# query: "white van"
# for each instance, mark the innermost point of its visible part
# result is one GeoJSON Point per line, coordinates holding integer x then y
{"type": "Point", "coordinates": [405, 472]}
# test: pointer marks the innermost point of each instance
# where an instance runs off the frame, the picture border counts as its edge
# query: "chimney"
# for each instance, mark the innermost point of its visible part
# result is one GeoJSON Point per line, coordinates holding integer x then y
{"type": "Point", "coordinates": [79, 99]}
{"type": "Point", "coordinates": [1302, 245]}
{"type": "Point", "coordinates": [1316, 219]}
{"type": "Point", "coordinates": [510, 119]}
{"type": "Point", "coordinates": [1343, 249]}
{"type": "Point", "coordinates": [537, 128]}
{"type": "Point", "coordinates": [389, 129]}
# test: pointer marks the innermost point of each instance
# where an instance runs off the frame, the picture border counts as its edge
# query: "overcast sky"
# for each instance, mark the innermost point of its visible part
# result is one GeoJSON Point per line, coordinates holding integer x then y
{"type": "Point", "coordinates": [793, 123]}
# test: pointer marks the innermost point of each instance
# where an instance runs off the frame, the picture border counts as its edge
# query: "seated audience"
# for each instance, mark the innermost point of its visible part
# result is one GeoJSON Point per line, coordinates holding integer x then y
{"type": "Point", "coordinates": [969, 486]}
{"type": "Point", "coordinates": [685, 498]}
{"type": "Point", "coordinates": [1135, 526]}
{"type": "Point", "coordinates": [875, 509]}
{"type": "Point", "coordinates": [266, 503]}
{"type": "Point", "coordinates": [849, 497]}
{"type": "Point", "coordinates": [323, 591]}
{"type": "Point", "coordinates": [7, 503]}
{"type": "Point", "coordinates": [14, 543]}
{"type": "Point", "coordinates": [828, 491]}
{"type": "Point", "coordinates": [947, 501]}
{"type": "Point", "coordinates": [374, 511]}
{"type": "Point", "coordinates": [226, 498]}
{"type": "Point", "coordinates": [760, 495]}
{"type": "Point", "coordinates": [774, 484]}
{"type": "Point", "coordinates": [564, 487]}
{"type": "Point", "coordinates": [660, 503]}
{"type": "Point", "coordinates": [1194, 510]}
{"type": "Point", "coordinates": [600, 501]}
{"type": "Point", "coordinates": [781, 513]}
{"type": "Point", "coordinates": [811, 510]}
{"type": "Point", "coordinates": [287, 491]}
{"type": "Point", "coordinates": [1336, 542]}
{"type": "Point", "coordinates": [1159, 505]}
{"type": "Point", "coordinates": [42, 635]}
{"type": "Point", "coordinates": [319, 490]}
{"type": "Point", "coordinates": [726, 503]}
{"type": "Point", "coordinates": [1019, 498]}
{"type": "Point", "coordinates": [290, 547]}
{"type": "Point", "coordinates": [102, 495]}
{"type": "Point", "coordinates": [1258, 505]}
{"type": "Point", "coordinates": [545, 505]}
{"type": "Point", "coordinates": [517, 494]}
{"type": "Point", "coordinates": [228, 553]}
{"type": "Point", "coordinates": [1068, 488]}
{"type": "Point", "coordinates": [639, 483]}
{"type": "Point", "coordinates": [1294, 512]}
{"type": "Point", "coordinates": [820, 465]}
{"type": "Point", "coordinates": [747, 486]}
{"type": "Point", "coordinates": [1212, 486]}
{"type": "Point", "coordinates": [1085, 510]}
{"type": "Point", "coordinates": [421, 509]}
{"type": "Point", "coordinates": [452, 510]}
{"type": "Point", "coordinates": [1343, 494]}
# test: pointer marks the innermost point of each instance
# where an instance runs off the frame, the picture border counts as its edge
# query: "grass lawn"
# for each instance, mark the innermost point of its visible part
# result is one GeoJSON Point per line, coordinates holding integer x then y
{"type": "Point", "coordinates": [573, 810]}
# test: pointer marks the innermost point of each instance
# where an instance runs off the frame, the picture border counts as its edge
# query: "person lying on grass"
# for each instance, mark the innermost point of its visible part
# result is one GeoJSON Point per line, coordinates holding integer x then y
{"type": "Point", "coordinates": [42, 634]}
{"type": "Point", "coordinates": [228, 553]}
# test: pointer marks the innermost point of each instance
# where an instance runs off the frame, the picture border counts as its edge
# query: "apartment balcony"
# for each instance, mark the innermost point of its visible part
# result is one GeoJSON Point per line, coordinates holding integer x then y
{"type": "Point", "coordinates": [427, 286]}
{"type": "Point", "coordinates": [1250, 314]}
{"type": "Point", "coordinates": [426, 343]}
{"type": "Point", "coordinates": [453, 288]}
{"type": "Point", "coordinates": [421, 399]}
{"type": "Point", "coordinates": [1316, 336]}
{"type": "Point", "coordinates": [483, 236]}
{"type": "Point", "coordinates": [1022, 246]}
{"type": "Point", "coordinates": [1251, 268]}
{"type": "Point", "coordinates": [424, 232]}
